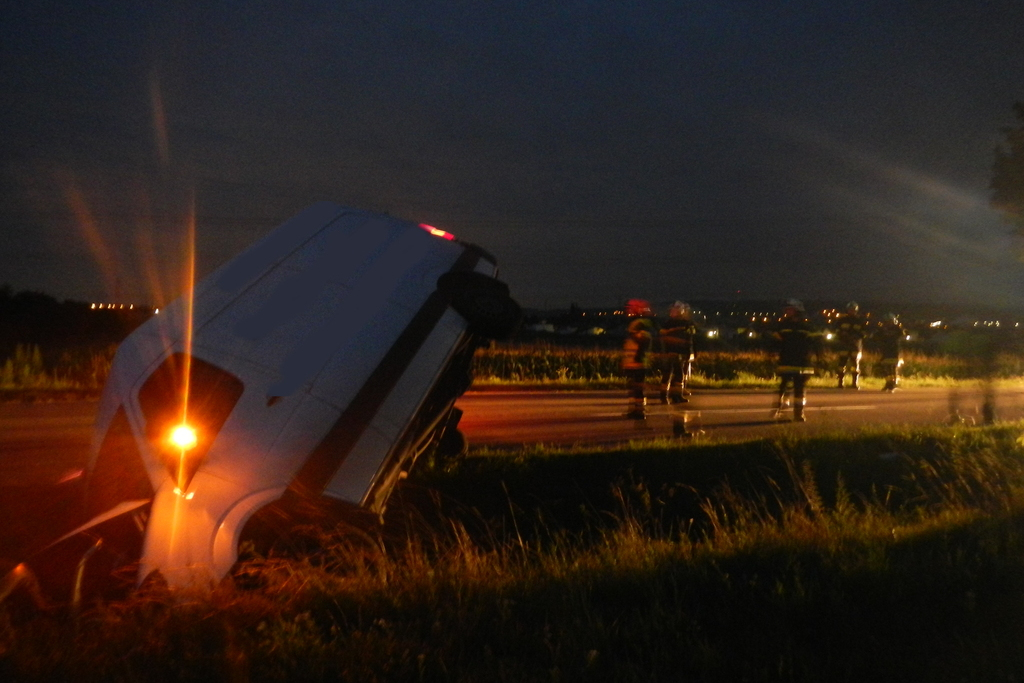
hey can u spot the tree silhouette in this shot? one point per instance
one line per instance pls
(37, 319)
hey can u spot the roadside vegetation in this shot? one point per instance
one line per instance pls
(30, 373)
(71, 373)
(544, 366)
(885, 554)
(54, 349)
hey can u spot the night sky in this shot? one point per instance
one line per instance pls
(822, 149)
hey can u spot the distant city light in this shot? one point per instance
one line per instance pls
(110, 307)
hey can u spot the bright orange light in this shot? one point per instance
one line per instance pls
(437, 232)
(184, 437)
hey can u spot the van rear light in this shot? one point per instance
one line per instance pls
(437, 232)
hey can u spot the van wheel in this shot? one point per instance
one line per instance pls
(484, 302)
(453, 444)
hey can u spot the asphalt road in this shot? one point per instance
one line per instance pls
(516, 418)
(45, 443)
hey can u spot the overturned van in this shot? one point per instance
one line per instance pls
(318, 365)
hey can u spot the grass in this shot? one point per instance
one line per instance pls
(29, 373)
(741, 380)
(886, 554)
(548, 367)
(26, 371)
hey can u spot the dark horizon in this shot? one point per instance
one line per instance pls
(660, 306)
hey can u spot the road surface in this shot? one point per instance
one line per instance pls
(515, 418)
(43, 443)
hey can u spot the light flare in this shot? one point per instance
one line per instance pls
(188, 299)
(147, 251)
(90, 230)
(156, 100)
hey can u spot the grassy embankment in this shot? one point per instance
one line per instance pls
(892, 554)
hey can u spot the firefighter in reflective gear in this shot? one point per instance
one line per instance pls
(798, 343)
(636, 356)
(850, 332)
(675, 358)
(889, 338)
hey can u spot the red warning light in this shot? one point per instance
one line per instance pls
(437, 232)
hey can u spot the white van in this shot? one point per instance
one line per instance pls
(319, 364)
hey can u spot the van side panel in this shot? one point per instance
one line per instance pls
(323, 463)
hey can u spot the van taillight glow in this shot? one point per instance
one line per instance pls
(437, 232)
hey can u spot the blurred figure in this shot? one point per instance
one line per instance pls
(981, 347)
(798, 343)
(850, 332)
(889, 338)
(636, 356)
(988, 348)
(675, 358)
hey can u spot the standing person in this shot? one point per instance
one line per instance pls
(798, 342)
(850, 341)
(890, 345)
(636, 356)
(675, 359)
